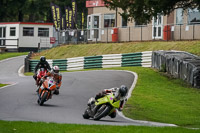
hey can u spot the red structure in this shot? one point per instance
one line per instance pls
(167, 33)
(52, 40)
(94, 3)
(115, 35)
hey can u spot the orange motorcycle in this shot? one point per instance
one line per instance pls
(46, 90)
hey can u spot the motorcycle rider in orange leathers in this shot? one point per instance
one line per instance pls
(57, 77)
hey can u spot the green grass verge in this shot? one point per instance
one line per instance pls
(2, 85)
(40, 127)
(162, 99)
(68, 51)
(28, 74)
(9, 55)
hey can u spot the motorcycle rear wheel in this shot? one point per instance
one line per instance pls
(102, 111)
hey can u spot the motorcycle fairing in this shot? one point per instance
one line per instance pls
(108, 99)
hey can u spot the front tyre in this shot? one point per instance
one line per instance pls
(102, 111)
(38, 101)
(86, 115)
(43, 98)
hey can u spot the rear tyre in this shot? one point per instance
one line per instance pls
(102, 111)
(86, 115)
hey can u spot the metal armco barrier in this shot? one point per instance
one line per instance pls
(93, 62)
(61, 63)
(103, 61)
(179, 64)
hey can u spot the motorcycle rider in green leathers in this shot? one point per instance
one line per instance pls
(119, 93)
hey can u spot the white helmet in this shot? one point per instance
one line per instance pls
(56, 69)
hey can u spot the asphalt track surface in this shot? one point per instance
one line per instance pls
(18, 101)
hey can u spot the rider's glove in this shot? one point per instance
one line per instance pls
(42, 80)
(103, 92)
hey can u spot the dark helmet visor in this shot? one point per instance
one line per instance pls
(56, 71)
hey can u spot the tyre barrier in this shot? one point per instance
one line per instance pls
(179, 64)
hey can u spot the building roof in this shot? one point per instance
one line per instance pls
(31, 23)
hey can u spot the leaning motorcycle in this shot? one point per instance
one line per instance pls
(46, 90)
(101, 108)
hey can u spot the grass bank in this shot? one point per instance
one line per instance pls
(40, 127)
(68, 51)
(9, 55)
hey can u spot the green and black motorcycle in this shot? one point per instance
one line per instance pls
(101, 108)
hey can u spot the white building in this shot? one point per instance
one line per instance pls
(25, 36)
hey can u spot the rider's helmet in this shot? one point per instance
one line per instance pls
(55, 69)
(123, 90)
(42, 59)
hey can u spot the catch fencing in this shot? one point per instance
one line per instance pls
(149, 32)
(179, 64)
(103, 61)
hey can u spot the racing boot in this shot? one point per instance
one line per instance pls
(56, 92)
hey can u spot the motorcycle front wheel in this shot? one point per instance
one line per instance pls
(102, 111)
(86, 115)
(43, 99)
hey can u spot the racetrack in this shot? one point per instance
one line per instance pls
(19, 101)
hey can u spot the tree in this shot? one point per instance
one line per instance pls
(33, 10)
(123, 4)
(142, 11)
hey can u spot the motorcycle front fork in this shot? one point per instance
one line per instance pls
(92, 109)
